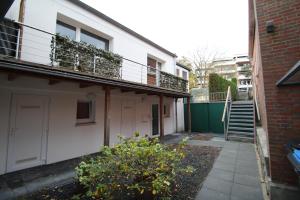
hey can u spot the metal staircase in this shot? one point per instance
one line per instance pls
(241, 121)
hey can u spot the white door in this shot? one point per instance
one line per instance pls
(128, 119)
(28, 132)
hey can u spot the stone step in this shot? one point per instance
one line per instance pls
(242, 120)
(242, 109)
(238, 138)
(242, 113)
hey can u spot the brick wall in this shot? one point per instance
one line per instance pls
(279, 52)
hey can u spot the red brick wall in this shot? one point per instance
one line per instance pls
(279, 52)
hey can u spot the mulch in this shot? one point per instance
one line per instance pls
(199, 157)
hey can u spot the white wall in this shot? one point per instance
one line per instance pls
(43, 15)
(65, 139)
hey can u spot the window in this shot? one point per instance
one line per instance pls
(65, 30)
(178, 72)
(167, 110)
(85, 112)
(184, 75)
(95, 40)
(159, 66)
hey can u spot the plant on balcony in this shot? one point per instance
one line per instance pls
(84, 57)
(137, 168)
(172, 82)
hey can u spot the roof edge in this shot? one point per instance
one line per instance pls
(183, 66)
(121, 26)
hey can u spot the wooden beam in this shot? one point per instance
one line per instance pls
(53, 82)
(11, 76)
(161, 115)
(139, 92)
(125, 90)
(107, 116)
(189, 114)
(176, 117)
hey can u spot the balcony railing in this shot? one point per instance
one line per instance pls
(26, 43)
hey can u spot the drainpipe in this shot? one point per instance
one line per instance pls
(176, 117)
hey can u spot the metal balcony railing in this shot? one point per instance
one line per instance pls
(26, 43)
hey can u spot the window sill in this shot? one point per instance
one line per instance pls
(85, 123)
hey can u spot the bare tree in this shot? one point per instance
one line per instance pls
(202, 60)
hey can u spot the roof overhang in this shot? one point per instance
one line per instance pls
(292, 77)
(5, 5)
(183, 66)
(44, 71)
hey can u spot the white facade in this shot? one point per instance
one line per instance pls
(47, 122)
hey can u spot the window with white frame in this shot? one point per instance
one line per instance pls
(85, 111)
(93, 39)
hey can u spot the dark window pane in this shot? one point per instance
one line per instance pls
(66, 30)
(95, 40)
(83, 110)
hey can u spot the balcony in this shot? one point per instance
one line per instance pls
(28, 44)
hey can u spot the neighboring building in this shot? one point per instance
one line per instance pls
(61, 98)
(237, 67)
(274, 50)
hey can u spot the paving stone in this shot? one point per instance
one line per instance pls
(224, 166)
(227, 159)
(221, 174)
(247, 163)
(247, 170)
(6, 194)
(247, 180)
(19, 191)
(228, 153)
(246, 156)
(207, 194)
(246, 192)
(218, 185)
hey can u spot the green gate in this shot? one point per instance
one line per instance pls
(206, 117)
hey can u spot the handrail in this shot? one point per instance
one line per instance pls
(228, 97)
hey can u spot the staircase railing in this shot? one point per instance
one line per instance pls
(226, 113)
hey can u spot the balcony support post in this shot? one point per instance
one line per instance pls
(176, 117)
(189, 115)
(107, 116)
(161, 115)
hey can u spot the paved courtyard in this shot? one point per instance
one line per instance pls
(235, 174)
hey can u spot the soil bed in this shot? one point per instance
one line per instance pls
(200, 157)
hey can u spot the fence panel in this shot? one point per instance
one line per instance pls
(206, 117)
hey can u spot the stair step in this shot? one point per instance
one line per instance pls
(241, 124)
(242, 109)
(240, 133)
(240, 138)
(242, 105)
(242, 102)
(238, 128)
(242, 113)
(242, 116)
(242, 120)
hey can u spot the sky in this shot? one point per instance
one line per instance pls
(184, 26)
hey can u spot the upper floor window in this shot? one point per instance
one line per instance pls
(85, 111)
(184, 75)
(95, 40)
(178, 72)
(65, 30)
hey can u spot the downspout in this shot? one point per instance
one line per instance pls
(176, 117)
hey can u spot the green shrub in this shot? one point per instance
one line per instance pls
(137, 168)
(219, 84)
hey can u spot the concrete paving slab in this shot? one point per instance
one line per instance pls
(247, 180)
(218, 185)
(208, 194)
(221, 174)
(246, 192)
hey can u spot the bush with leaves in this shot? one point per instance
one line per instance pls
(136, 168)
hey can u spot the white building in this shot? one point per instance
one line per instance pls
(61, 99)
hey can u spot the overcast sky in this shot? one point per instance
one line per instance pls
(183, 26)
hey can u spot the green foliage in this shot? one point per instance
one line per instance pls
(137, 168)
(234, 80)
(192, 80)
(71, 55)
(219, 84)
(170, 81)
